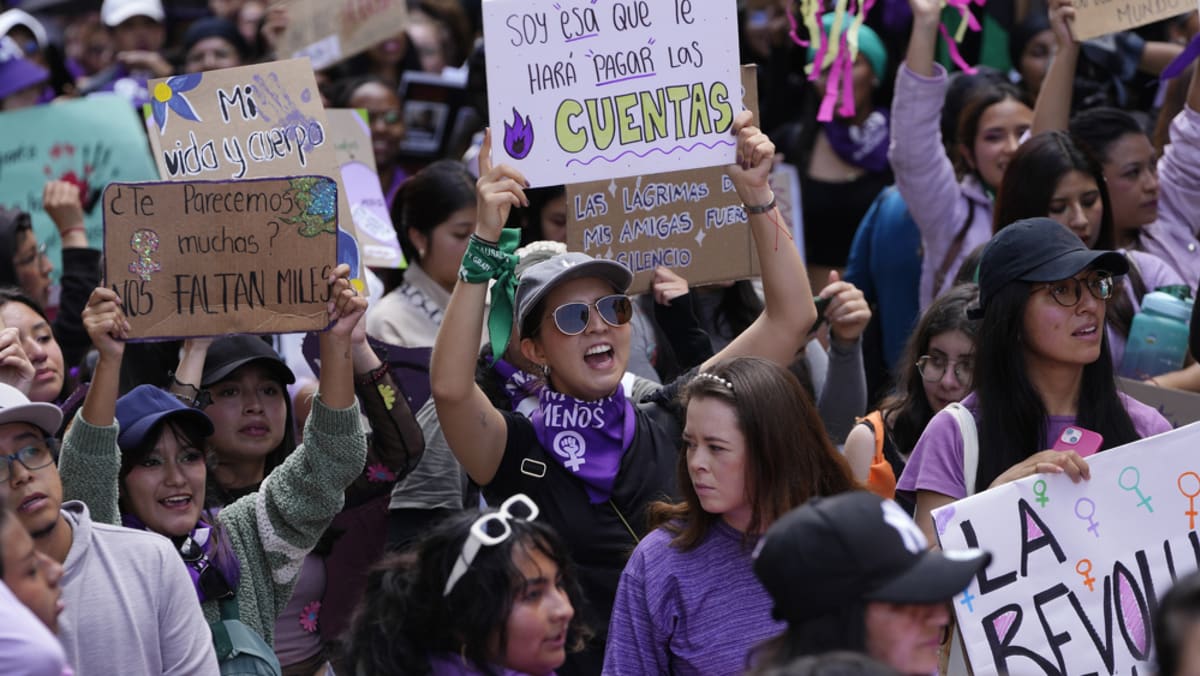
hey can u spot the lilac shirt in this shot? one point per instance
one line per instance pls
(27, 648)
(1155, 273)
(936, 463)
(453, 665)
(1173, 236)
(694, 612)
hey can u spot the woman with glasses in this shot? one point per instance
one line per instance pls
(1041, 365)
(689, 602)
(587, 455)
(1051, 176)
(149, 469)
(481, 594)
(936, 370)
(385, 114)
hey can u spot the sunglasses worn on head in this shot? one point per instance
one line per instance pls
(572, 318)
(490, 529)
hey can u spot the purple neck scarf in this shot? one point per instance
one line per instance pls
(219, 555)
(864, 145)
(588, 438)
(521, 387)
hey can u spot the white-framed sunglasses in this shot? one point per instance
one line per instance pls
(490, 530)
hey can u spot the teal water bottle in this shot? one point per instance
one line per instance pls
(1158, 338)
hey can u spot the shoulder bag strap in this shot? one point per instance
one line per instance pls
(970, 437)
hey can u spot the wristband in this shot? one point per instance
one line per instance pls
(373, 376)
(751, 211)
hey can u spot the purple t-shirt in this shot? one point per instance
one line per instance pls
(694, 612)
(936, 463)
(453, 665)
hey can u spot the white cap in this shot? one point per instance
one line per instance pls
(16, 407)
(116, 12)
(19, 17)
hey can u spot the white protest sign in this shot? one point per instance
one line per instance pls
(1078, 569)
(584, 91)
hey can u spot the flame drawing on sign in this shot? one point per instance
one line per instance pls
(518, 136)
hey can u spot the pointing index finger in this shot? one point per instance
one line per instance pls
(485, 153)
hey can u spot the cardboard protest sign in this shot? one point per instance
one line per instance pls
(1179, 407)
(579, 91)
(88, 142)
(255, 121)
(1094, 18)
(692, 221)
(1077, 569)
(206, 258)
(328, 31)
(351, 138)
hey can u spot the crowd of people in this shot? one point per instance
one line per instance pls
(505, 464)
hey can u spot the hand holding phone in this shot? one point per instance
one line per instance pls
(1075, 438)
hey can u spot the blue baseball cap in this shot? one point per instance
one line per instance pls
(139, 411)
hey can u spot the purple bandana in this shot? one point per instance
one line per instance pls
(864, 145)
(587, 437)
(219, 555)
(521, 387)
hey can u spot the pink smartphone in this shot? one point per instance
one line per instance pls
(1084, 442)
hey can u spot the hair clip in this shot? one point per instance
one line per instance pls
(717, 379)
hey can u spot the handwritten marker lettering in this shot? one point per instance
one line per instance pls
(1084, 568)
(1191, 496)
(1133, 485)
(1090, 506)
(1039, 489)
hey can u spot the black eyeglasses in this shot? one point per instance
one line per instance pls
(211, 580)
(35, 456)
(572, 318)
(1068, 292)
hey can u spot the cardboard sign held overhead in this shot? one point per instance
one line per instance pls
(255, 121)
(580, 91)
(1077, 568)
(207, 258)
(691, 221)
(328, 31)
(88, 142)
(351, 139)
(1094, 18)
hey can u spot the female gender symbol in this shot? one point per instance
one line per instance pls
(1093, 525)
(1191, 511)
(1039, 489)
(1134, 486)
(1084, 568)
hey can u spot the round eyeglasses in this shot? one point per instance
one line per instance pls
(933, 368)
(1068, 292)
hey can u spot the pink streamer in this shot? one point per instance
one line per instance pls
(957, 58)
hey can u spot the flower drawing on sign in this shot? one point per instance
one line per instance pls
(317, 198)
(168, 96)
(379, 473)
(144, 243)
(518, 136)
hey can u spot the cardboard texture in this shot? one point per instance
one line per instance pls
(328, 31)
(255, 121)
(1094, 18)
(207, 258)
(691, 221)
(580, 91)
(351, 139)
(1179, 407)
(1077, 568)
(88, 142)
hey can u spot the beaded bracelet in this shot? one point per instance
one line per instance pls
(373, 376)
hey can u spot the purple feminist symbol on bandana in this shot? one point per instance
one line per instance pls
(518, 136)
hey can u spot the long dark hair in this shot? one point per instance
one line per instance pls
(14, 294)
(785, 464)
(1029, 183)
(1013, 416)
(843, 629)
(908, 411)
(428, 198)
(968, 120)
(403, 618)
(1178, 612)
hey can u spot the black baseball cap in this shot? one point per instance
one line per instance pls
(230, 353)
(1038, 250)
(855, 546)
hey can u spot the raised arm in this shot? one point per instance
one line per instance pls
(474, 429)
(789, 310)
(1053, 110)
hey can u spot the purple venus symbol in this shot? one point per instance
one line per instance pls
(518, 136)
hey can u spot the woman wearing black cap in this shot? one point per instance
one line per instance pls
(590, 458)
(1041, 365)
(210, 44)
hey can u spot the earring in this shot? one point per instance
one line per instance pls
(420, 253)
(545, 371)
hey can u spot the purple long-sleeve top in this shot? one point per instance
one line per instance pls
(1173, 236)
(688, 612)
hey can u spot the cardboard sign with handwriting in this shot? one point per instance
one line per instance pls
(376, 235)
(328, 31)
(207, 258)
(580, 91)
(1094, 18)
(692, 221)
(257, 121)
